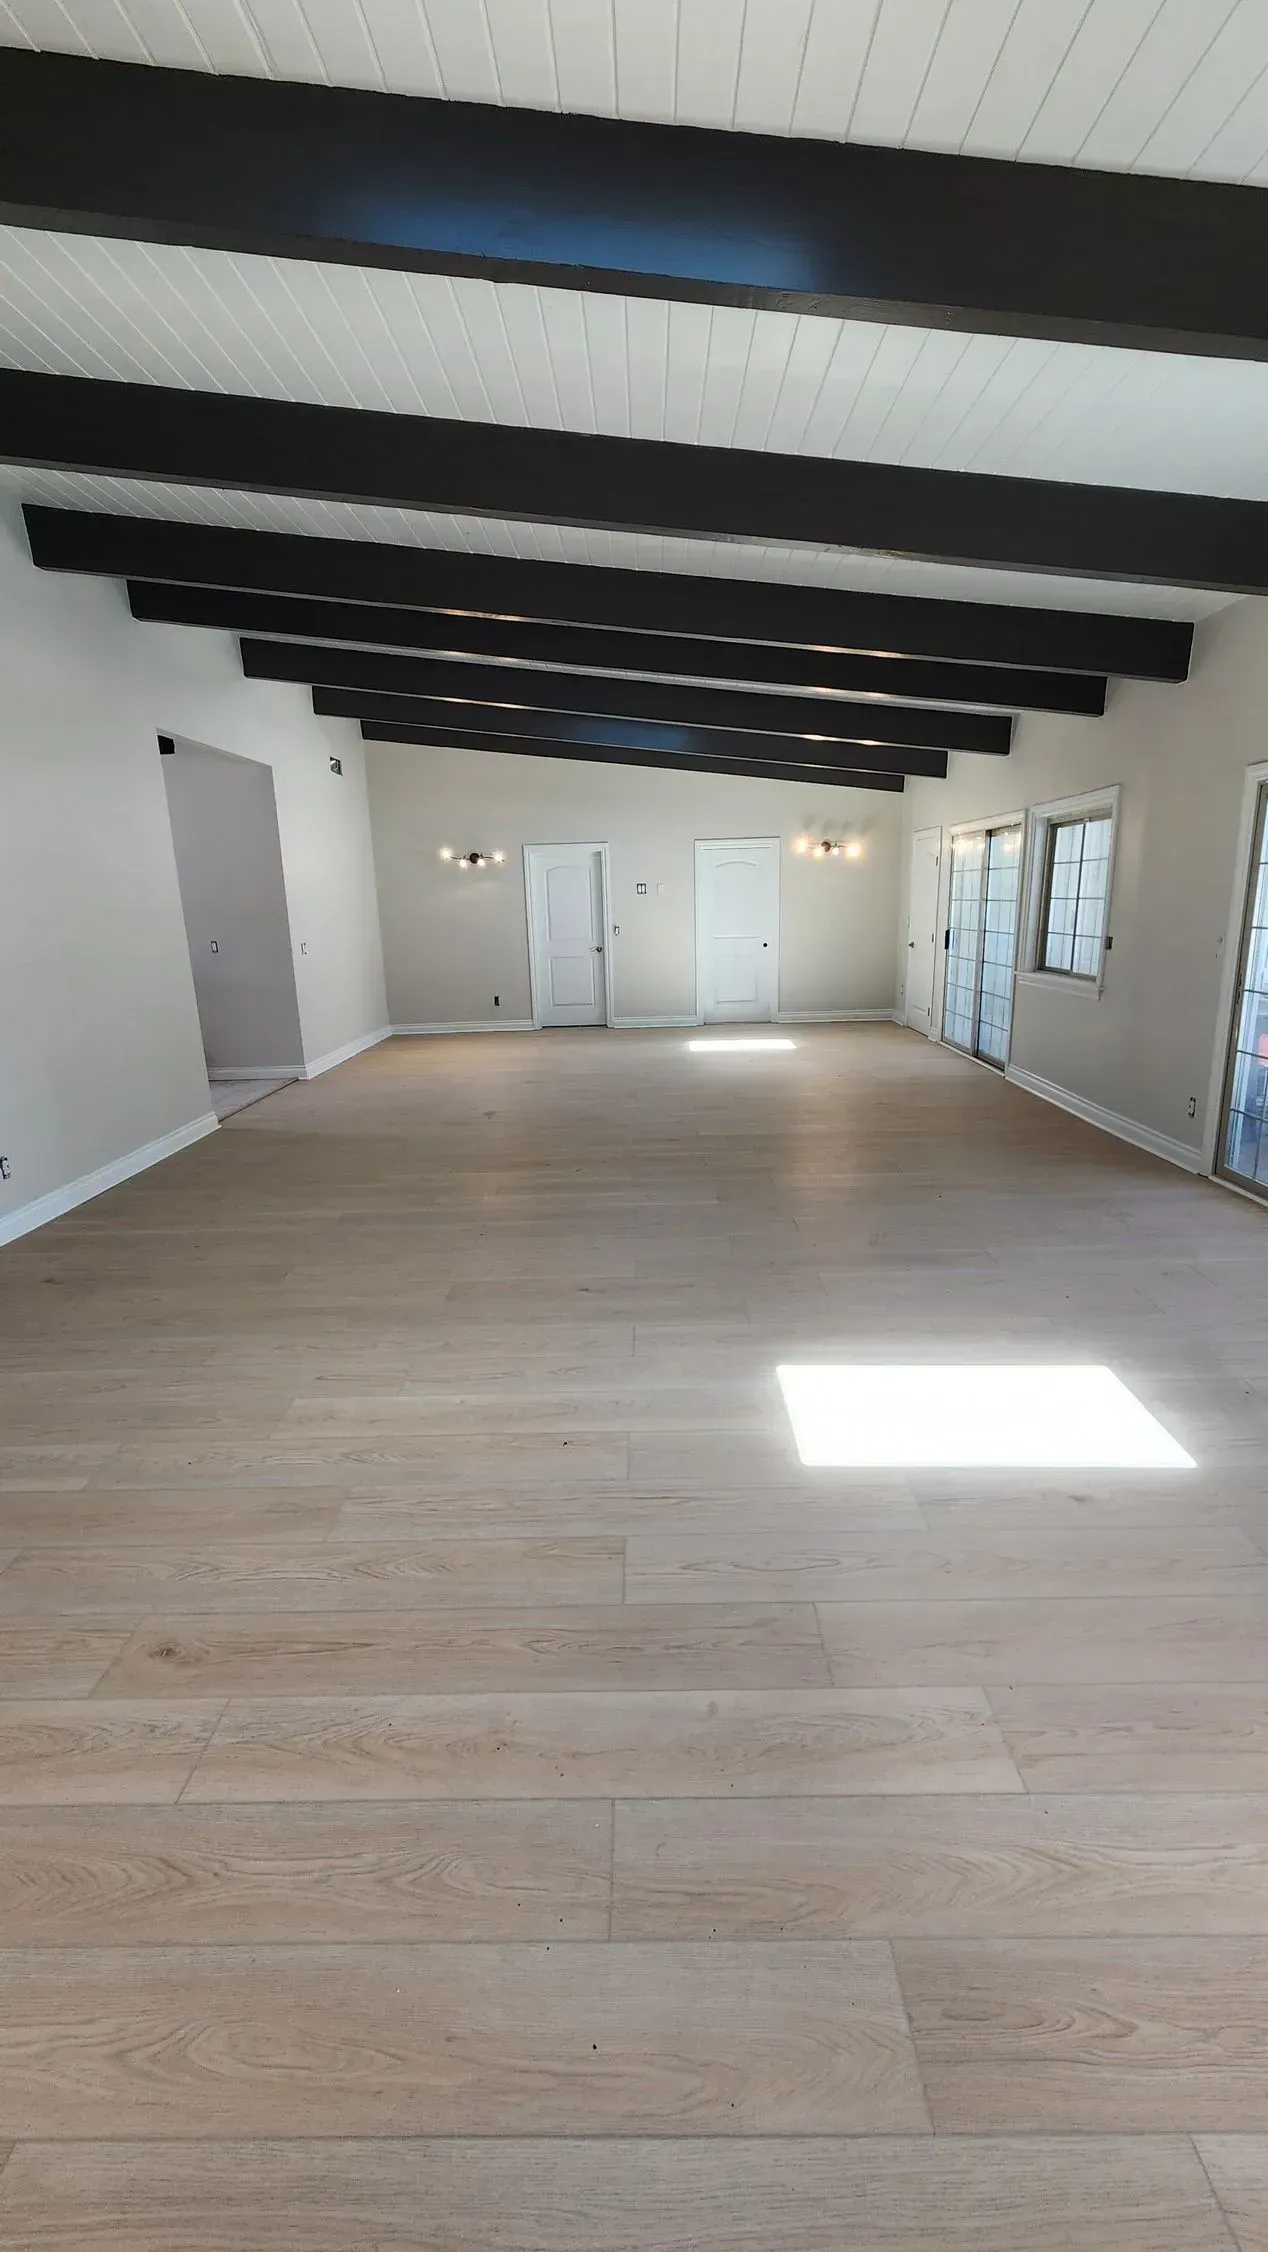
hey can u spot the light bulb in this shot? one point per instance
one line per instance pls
(446, 852)
(801, 844)
(499, 859)
(854, 850)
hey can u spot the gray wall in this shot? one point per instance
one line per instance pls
(1180, 754)
(233, 893)
(100, 1053)
(452, 941)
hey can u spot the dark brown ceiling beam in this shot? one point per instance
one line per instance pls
(813, 718)
(452, 722)
(592, 754)
(494, 469)
(797, 225)
(768, 612)
(513, 641)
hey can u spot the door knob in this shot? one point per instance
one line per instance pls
(598, 949)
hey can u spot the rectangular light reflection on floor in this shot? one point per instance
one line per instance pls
(914, 1417)
(731, 1047)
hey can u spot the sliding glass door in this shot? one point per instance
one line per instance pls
(981, 942)
(1243, 1146)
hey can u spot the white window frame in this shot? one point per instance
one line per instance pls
(1089, 805)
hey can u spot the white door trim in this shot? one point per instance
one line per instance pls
(569, 844)
(741, 844)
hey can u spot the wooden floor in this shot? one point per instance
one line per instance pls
(466, 1788)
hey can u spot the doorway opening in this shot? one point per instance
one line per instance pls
(737, 930)
(567, 892)
(981, 940)
(237, 924)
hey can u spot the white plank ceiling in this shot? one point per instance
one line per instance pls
(1176, 86)
(842, 568)
(510, 353)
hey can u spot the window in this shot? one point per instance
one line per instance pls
(1072, 867)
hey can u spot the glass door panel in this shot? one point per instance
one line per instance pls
(1244, 1127)
(999, 944)
(964, 940)
(977, 1008)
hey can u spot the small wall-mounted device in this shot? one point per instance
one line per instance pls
(167, 746)
(641, 889)
(336, 766)
(215, 946)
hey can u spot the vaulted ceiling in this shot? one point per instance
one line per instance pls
(951, 318)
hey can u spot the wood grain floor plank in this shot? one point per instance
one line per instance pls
(60, 1752)
(1028, 1640)
(476, 2040)
(890, 2194)
(616, 1511)
(553, 1458)
(1078, 1737)
(201, 1875)
(595, 1646)
(696, 1744)
(958, 1566)
(310, 1576)
(815, 1868)
(1237, 2168)
(55, 1657)
(153, 1516)
(1088, 2036)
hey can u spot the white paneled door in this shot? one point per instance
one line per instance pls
(737, 930)
(567, 929)
(922, 928)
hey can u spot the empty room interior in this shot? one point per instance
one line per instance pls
(633, 1125)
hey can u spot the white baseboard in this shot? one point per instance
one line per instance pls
(258, 1071)
(345, 1054)
(1109, 1121)
(51, 1207)
(653, 1024)
(835, 1016)
(483, 1024)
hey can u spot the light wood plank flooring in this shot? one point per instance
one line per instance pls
(463, 1784)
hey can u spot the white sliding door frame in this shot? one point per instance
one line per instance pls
(983, 827)
(1239, 903)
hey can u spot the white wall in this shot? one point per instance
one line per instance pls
(1145, 1046)
(452, 941)
(233, 893)
(100, 1052)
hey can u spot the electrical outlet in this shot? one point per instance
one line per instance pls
(215, 946)
(6, 1170)
(1193, 1106)
(497, 1000)
(303, 946)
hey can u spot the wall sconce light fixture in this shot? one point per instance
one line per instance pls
(829, 848)
(472, 859)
